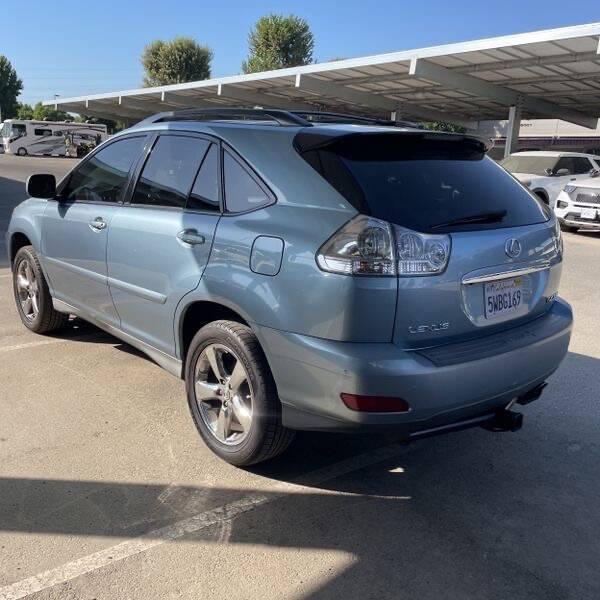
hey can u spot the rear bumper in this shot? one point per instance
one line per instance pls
(441, 389)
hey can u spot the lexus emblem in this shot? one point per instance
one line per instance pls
(512, 248)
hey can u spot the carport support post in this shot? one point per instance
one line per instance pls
(514, 126)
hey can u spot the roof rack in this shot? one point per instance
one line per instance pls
(334, 117)
(302, 118)
(278, 116)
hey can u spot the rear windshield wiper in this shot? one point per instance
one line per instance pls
(490, 217)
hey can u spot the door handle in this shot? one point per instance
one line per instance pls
(98, 224)
(190, 236)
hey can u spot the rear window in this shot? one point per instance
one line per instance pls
(423, 182)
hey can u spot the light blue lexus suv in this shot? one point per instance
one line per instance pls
(303, 271)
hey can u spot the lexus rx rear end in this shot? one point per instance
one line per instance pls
(299, 275)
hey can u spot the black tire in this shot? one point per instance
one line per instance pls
(267, 437)
(542, 197)
(47, 319)
(22, 152)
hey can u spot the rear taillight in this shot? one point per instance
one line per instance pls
(369, 246)
(363, 246)
(375, 403)
(420, 253)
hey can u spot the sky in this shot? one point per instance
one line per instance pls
(73, 48)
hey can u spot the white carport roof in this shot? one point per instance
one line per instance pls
(553, 74)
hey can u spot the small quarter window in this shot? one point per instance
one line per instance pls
(170, 171)
(205, 193)
(242, 191)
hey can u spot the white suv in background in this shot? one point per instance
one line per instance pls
(547, 173)
(578, 205)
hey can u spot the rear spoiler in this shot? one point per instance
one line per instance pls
(307, 140)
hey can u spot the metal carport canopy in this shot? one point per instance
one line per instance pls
(544, 74)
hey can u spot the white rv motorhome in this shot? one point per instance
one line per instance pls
(52, 138)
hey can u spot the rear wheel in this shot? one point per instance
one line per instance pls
(32, 295)
(232, 395)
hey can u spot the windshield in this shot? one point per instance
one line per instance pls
(536, 165)
(425, 185)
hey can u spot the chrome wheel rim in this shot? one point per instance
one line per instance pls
(28, 290)
(223, 394)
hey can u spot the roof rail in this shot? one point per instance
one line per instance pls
(334, 117)
(280, 117)
(297, 118)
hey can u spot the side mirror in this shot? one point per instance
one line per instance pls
(562, 172)
(41, 186)
(549, 172)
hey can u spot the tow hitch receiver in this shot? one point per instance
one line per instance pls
(504, 420)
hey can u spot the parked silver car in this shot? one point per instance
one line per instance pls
(342, 276)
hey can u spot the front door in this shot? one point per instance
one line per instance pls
(159, 243)
(75, 228)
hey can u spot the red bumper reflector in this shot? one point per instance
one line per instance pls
(375, 403)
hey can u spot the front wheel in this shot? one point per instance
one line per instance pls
(22, 152)
(32, 296)
(232, 395)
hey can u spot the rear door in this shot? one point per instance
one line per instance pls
(75, 229)
(160, 242)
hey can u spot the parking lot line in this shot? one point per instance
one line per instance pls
(221, 514)
(81, 338)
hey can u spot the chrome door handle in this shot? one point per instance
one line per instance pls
(190, 236)
(98, 224)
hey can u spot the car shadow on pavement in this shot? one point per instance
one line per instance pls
(469, 514)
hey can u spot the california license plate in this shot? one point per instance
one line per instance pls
(502, 297)
(588, 213)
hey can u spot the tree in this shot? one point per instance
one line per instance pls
(45, 113)
(439, 126)
(178, 61)
(24, 111)
(10, 88)
(112, 126)
(277, 42)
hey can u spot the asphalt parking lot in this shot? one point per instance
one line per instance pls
(107, 492)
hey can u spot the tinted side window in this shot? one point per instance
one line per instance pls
(205, 193)
(102, 178)
(42, 132)
(170, 171)
(242, 192)
(582, 165)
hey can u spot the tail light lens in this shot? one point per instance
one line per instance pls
(420, 253)
(363, 246)
(368, 246)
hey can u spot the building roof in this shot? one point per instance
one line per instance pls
(551, 74)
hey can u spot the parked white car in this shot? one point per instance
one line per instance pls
(578, 205)
(547, 173)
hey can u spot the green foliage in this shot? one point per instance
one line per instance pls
(46, 113)
(178, 61)
(277, 42)
(24, 111)
(10, 88)
(439, 126)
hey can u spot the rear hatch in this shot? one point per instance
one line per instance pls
(476, 251)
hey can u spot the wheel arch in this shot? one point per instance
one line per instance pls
(542, 194)
(197, 313)
(18, 240)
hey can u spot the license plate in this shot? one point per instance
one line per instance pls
(588, 213)
(502, 297)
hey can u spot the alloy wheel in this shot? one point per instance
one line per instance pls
(223, 394)
(28, 290)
